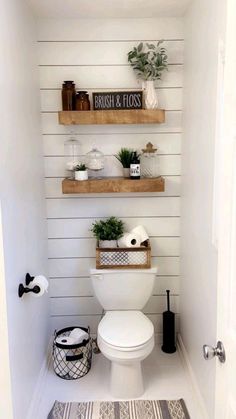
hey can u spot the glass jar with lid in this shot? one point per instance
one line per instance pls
(68, 95)
(95, 160)
(82, 101)
(149, 162)
(71, 155)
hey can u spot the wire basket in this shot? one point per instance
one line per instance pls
(72, 361)
(124, 257)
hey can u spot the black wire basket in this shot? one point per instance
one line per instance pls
(72, 361)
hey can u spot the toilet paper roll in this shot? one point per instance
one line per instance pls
(65, 340)
(60, 363)
(130, 240)
(78, 335)
(74, 368)
(42, 283)
(140, 230)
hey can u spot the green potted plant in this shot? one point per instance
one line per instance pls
(125, 156)
(148, 62)
(81, 172)
(108, 231)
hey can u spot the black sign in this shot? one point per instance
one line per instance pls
(117, 100)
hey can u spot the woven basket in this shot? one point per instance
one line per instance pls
(124, 257)
(72, 361)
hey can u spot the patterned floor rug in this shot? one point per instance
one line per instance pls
(134, 409)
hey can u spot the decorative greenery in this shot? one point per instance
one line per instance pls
(148, 60)
(125, 157)
(80, 167)
(110, 229)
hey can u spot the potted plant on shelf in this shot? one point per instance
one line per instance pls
(107, 232)
(125, 157)
(81, 172)
(148, 62)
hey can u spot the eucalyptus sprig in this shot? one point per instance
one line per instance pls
(148, 60)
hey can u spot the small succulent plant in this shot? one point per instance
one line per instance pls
(80, 167)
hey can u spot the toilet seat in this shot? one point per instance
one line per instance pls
(125, 330)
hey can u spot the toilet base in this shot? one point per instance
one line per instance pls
(126, 380)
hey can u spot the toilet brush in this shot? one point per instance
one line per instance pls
(168, 329)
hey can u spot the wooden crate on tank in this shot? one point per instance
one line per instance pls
(124, 257)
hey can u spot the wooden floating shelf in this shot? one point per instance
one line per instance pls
(113, 185)
(134, 116)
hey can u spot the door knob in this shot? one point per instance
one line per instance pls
(210, 352)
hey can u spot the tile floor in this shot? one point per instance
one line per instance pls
(164, 378)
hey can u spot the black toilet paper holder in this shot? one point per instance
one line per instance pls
(24, 290)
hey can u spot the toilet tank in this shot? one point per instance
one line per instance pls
(123, 289)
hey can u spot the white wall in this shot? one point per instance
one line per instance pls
(21, 187)
(94, 54)
(198, 255)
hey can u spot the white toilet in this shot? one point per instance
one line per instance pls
(125, 334)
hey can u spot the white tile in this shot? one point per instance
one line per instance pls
(164, 378)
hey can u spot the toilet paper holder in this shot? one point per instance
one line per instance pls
(24, 290)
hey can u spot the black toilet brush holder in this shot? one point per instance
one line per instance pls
(168, 329)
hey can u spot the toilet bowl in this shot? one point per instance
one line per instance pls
(126, 338)
(125, 335)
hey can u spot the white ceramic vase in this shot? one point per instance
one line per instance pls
(150, 95)
(126, 172)
(107, 243)
(81, 175)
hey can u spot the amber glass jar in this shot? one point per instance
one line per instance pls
(68, 96)
(82, 101)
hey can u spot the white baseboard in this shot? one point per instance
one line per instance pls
(187, 365)
(35, 401)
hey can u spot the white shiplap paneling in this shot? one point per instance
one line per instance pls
(110, 29)
(98, 53)
(80, 267)
(97, 60)
(82, 287)
(81, 227)
(100, 77)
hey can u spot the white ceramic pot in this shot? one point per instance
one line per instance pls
(81, 175)
(107, 243)
(126, 172)
(150, 95)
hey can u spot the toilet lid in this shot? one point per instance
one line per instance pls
(125, 328)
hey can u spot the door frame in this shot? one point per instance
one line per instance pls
(227, 226)
(5, 377)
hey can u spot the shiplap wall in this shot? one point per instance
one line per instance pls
(94, 54)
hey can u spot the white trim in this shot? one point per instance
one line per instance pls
(187, 365)
(6, 402)
(35, 401)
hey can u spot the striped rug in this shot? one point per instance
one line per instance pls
(134, 409)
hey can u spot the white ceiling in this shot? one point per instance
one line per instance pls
(108, 8)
